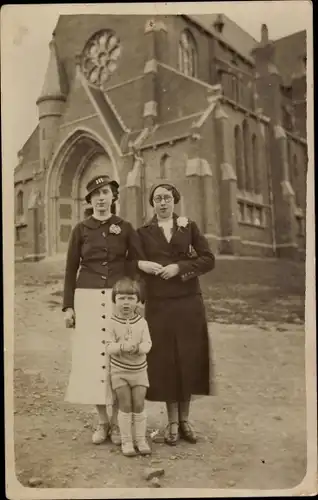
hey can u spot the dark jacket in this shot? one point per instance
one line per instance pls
(188, 248)
(96, 258)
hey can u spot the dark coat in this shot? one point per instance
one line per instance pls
(178, 364)
(188, 248)
(97, 258)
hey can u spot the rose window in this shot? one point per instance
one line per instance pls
(100, 56)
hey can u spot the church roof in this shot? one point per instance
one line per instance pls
(29, 154)
(288, 51)
(232, 35)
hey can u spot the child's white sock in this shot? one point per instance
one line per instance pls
(125, 426)
(140, 428)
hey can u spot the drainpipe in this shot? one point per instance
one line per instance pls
(270, 188)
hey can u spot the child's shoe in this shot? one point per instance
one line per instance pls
(100, 434)
(128, 449)
(143, 447)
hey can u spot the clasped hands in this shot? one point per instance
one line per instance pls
(165, 272)
(129, 348)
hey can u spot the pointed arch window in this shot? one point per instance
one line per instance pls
(20, 203)
(249, 180)
(239, 158)
(164, 167)
(256, 166)
(187, 54)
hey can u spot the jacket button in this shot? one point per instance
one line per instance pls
(104, 317)
(103, 304)
(104, 234)
(103, 341)
(103, 330)
(104, 278)
(102, 353)
(103, 291)
(104, 263)
(104, 367)
(102, 381)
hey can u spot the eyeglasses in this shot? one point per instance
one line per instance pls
(166, 198)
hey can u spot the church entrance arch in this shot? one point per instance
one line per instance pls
(80, 158)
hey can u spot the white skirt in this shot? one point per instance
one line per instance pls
(89, 381)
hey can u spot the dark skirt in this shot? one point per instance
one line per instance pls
(180, 361)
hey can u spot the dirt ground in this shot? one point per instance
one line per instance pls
(252, 435)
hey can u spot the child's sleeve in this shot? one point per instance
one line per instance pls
(145, 344)
(112, 346)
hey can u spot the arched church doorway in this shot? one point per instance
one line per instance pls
(81, 158)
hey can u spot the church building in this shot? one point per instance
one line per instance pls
(191, 98)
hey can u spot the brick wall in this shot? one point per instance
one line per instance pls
(74, 31)
(180, 96)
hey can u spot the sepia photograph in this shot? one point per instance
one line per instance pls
(158, 214)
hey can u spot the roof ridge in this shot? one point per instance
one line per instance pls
(192, 78)
(288, 36)
(116, 112)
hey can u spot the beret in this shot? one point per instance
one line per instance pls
(164, 183)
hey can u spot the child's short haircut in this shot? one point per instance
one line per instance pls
(126, 286)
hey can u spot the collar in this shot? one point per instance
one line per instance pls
(124, 321)
(154, 220)
(93, 223)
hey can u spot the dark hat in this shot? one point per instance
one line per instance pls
(98, 182)
(164, 183)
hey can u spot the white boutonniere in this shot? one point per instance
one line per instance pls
(114, 229)
(182, 222)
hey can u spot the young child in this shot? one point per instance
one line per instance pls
(128, 342)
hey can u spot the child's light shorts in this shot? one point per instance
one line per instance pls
(120, 378)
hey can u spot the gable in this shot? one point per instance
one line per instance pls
(78, 104)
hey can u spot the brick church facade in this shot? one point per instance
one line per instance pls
(191, 98)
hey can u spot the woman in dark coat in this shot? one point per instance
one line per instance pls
(178, 364)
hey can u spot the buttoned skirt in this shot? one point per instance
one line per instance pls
(89, 380)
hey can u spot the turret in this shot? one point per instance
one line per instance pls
(50, 105)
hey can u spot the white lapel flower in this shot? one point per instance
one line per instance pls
(182, 222)
(114, 229)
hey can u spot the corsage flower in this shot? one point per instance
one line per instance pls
(114, 229)
(182, 222)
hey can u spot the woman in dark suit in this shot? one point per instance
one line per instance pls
(178, 363)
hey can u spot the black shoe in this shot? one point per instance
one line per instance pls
(186, 432)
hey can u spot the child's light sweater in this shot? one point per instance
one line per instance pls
(135, 331)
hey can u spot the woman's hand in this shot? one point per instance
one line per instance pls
(69, 318)
(169, 271)
(149, 267)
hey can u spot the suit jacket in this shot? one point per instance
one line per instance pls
(97, 257)
(188, 248)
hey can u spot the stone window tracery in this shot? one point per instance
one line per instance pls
(100, 57)
(187, 54)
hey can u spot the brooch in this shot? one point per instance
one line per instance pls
(182, 222)
(114, 229)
